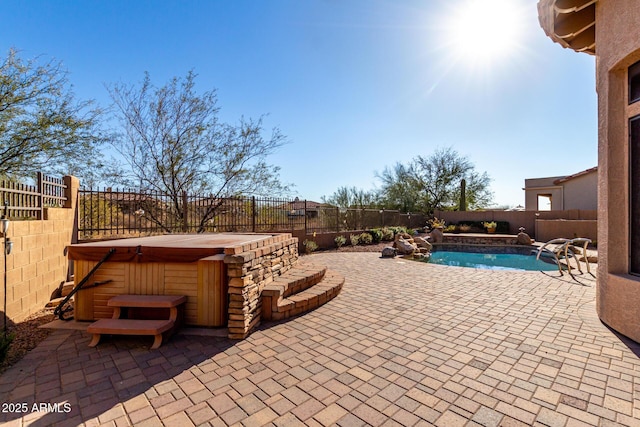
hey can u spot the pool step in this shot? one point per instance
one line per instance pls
(303, 288)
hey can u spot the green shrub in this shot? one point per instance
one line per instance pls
(365, 238)
(310, 246)
(340, 241)
(355, 239)
(474, 226)
(376, 234)
(387, 234)
(449, 228)
(502, 227)
(398, 229)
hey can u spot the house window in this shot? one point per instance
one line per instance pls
(544, 202)
(634, 83)
(634, 194)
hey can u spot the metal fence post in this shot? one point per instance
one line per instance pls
(305, 217)
(185, 212)
(253, 214)
(40, 196)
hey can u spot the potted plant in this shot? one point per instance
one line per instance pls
(490, 226)
(437, 223)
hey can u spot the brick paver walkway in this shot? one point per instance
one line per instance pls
(403, 344)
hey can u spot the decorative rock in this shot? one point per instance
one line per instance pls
(404, 247)
(523, 239)
(404, 236)
(422, 243)
(436, 235)
(389, 252)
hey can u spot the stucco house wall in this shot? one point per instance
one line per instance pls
(616, 44)
(542, 186)
(581, 192)
(618, 36)
(578, 191)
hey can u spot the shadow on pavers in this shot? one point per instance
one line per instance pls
(70, 383)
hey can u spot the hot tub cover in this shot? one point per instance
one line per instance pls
(168, 248)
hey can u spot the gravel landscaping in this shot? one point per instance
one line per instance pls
(27, 335)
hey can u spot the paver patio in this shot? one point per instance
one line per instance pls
(404, 344)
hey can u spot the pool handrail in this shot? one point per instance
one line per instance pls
(564, 248)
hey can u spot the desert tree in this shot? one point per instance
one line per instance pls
(352, 198)
(352, 202)
(433, 182)
(173, 143)
(399, 189)
(42, 126)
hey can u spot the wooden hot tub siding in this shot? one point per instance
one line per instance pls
(203, 282)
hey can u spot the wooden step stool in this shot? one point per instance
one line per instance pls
(156, 327)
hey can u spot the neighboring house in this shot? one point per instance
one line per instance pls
(561, 193)
(300, 207)
(610, 30)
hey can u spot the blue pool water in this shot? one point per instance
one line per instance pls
(491, 261)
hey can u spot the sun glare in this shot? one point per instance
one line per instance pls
(483, 31)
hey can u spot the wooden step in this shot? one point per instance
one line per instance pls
(130, 304)
(277, 306)
(149, 307)
(147, 301)
(129, 327)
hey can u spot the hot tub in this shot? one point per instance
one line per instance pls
(191, 265)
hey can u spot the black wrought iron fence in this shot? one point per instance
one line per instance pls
(112, 213)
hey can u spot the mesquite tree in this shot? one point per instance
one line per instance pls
(173, 143)
(42, 126)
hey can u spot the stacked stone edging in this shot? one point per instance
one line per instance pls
(250, 268)
(480, 239)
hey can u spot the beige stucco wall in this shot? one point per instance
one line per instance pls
(617, 47)
(535, 186)
(581, 192)
(38, 262)
(565, 228)
(577, 193)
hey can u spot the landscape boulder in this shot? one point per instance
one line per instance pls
(436, 235)
(422, 243)
(405, 247)
(523, 239)
(389, 252)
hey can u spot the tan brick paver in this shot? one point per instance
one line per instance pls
(403, 344)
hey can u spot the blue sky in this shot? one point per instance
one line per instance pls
(356, 85)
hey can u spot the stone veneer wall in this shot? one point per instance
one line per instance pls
(248, 273)
(475, 239)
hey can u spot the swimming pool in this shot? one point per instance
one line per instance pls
(495, 260)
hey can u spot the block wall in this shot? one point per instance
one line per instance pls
(248, 273)
(38, 262)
